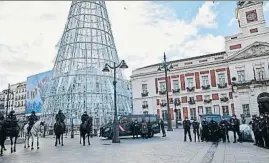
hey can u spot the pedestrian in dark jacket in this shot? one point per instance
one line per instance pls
(144, 129)
(187, 127)
(236, 128)
(162, 127)
(196, 127)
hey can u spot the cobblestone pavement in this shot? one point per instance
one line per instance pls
(170, 149)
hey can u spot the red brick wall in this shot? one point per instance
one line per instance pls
(199, 97)
(182, 81)
(172, 113)
(197, 80)
(156, 85)
(229, 76)
(213, 78)
(215, 96)
(184, 99)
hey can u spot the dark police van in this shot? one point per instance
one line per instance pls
(126, 127)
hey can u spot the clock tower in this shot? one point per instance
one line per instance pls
(252, 26)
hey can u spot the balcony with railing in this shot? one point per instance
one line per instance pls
(222, 85)
(144, 106)
(224, 99)
(145, 94)
(162, 92)
(207, 101)
(163, 104)
(176, 90)
(205, 87)
(190, 89)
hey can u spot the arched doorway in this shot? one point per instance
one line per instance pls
(263, 102)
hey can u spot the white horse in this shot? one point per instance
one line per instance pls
(33, 132)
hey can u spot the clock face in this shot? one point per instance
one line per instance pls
(251, 16)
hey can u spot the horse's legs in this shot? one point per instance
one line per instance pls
(55, 140)
(2, 147)
(37, 141)
(32, 142)
(11, 144)
(84, 139)
(15, 142)
(62, 139)
(25, 141)
(89, 143)
(80, 138)
(28, 141)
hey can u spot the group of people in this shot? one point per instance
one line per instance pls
(260, 127)
(145, 129)
(212, 131)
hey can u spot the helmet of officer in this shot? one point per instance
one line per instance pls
(60, 111)
(12, 112)
(85, 112)
(33, 112)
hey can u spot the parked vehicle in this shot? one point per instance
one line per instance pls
(126, 125)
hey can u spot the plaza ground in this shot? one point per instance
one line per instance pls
(170, 149)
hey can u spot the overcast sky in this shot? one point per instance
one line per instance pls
(29, 32)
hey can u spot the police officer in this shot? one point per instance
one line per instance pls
(162, 127)
(84, 117)
(254, 129)
(149, 129)
(236, 129)
(258, 134)
(214, 129)
(187, 126)
(60, 117)
(144, 129)
(226, 132)
(196, 132)
(135, 129)
(31, 121)
(267, 131)
(262, 130)
(204, 136)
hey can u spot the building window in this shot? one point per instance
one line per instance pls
(221, 77)
(193, 113)
(144, 88)
(162, 86)
(260, 73)
(216, 109)
(190, 82)
(175, 84)
(145, 103)
(241, 76)
(208, 110)
(205, 80)
(225, 110)
(163, 101)
(164, 115)
(246, 110)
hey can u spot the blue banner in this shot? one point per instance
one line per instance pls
(36, 87)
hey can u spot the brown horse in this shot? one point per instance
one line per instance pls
(86, 128)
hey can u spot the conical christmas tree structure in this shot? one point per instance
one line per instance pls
(78, 83)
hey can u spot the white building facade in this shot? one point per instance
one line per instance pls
(213, 83)
(16, 100)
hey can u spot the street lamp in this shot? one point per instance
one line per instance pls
(72, 125)
(176, 103)
(167, 67)
(116, 131)
(7, 92)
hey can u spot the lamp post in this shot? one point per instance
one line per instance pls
(7, 92)
(72, 125)
(176, 111)
(116, 131)
(167, 67)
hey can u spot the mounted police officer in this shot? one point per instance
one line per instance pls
(187, 127)
(195, 126)
(60, 117)
(84, 117)
(224, 127)
(11, 116)
(135, 129)
(31, 121)
(205, 130)
(236, 129)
